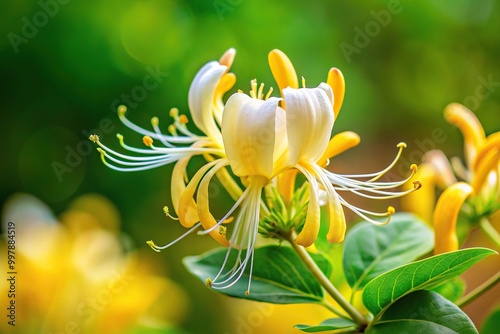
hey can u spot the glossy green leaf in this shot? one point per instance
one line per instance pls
(424, 274)
(327, 325)
(278, 277)
(371, 250)
(452, 289)
(423, 312)
(492, 323)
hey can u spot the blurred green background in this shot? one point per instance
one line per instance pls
(63, 72)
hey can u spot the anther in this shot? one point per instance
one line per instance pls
(94, 138)
(247, 293)
(147, 140)
(122, 110)
(417, 185)
(222, 230)
(166, 211)
(208, 282)
(303, 82)
(151, 244)
(155, 121)
(391, 210)
(174, 112)
(414, 168)
(401, 145)
(183, 119)
(172, 129)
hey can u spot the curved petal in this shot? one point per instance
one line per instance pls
(187, 211)
(487, 165)
(339, 143)
(309, 121)
(446, 214)
(201, 96)
(249, 134)
(336, 81)
(470, 126)
(492, 143)
(206, 218)
(310, 231)
(282, 70)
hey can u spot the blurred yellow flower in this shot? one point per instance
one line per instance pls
(476, 194)
(74, 275)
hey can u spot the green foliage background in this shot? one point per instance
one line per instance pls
(63, 82)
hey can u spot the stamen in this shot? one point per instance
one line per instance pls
(229, 213)
(268, 95)
(174, 112)
(253, 89)
(183, 119)
(94, 138)
(208, 282)
(166, 211)
(122, 110)
(222, 230)
(173, 130)
(160, 248)
(147, 140)
(303, 82)
(260, 95)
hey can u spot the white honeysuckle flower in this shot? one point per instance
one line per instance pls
(205, 100)
(265, 141)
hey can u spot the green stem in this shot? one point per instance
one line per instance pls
(334, 310)
(490, 230)
(471, 296)
(325, 282)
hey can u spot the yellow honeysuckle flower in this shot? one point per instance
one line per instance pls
(479, 186)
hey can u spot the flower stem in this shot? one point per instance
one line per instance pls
(471, 296)
(325, 282)
(490, 230)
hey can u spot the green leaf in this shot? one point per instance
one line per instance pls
(371, 250)
(423, 312)
(279, 276)
(327, 325)
(424, 274)
(492, 323)
(452, 289)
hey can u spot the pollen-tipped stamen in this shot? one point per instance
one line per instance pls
(160, 248)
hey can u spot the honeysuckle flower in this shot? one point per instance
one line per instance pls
(265, 141)
(480, 186)
(310, 116)
(205, 104)
(472, 188)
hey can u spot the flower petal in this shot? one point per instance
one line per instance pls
(310, 231)
(249, 134)
(336, 81)
(488, 164)
(201, 97)
(309, 121)
(339, 143)
(206, 218)
(470, 126)
(187, 210)
(446, 214)
(283, 70)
